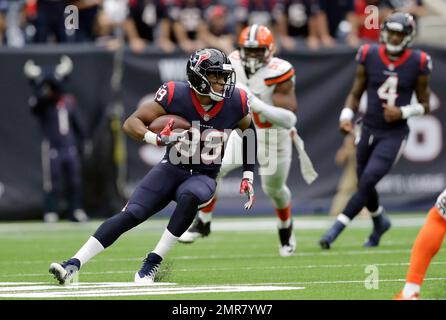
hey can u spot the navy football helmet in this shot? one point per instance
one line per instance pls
(206, 62)
(399, 22)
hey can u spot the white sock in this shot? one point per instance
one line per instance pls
(410, 289)
(283, 224)
(205, 217)
(91, 248)
(342, 218)
(377, 213)
(166, 242)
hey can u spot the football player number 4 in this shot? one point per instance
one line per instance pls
(388, 90)
(424, 143)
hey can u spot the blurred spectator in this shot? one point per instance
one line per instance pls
(30, 17)
(12, 22)
(323, 30)
(341, 18)
(148, 23)
(302, 19)
(188, 23)
(49, 21)
(110, 23)
(219, 34)
(3, 10)
(88, 10)
(414, 7)
(369, 33)
(63, 132)
(249, 12)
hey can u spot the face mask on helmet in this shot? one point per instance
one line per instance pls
(254, 58)
(210, 73)
(221, 83)
(401, 27)
(256, 45)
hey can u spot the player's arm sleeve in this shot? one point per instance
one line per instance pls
(425, 63)
(361, 55)
(246, 103)
(164, 95)
(249, 145)
(279, 116)
(285, 74)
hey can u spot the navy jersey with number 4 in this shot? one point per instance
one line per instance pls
(391, 82)
(179, 98)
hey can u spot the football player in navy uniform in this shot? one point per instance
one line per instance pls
(390, 73)
(208, 99)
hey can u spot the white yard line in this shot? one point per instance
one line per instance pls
(114, 289)
(130, 289)
(283, 267)
(239, 224)
(245, 256)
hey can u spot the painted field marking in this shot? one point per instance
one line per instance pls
(110, 289)
(238, 224)
(315, 266)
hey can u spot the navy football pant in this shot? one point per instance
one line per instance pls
(63, 177)
(164, 183)
(375, 157)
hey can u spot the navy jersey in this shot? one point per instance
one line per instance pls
(60, 121)
(391, 82)
(180, 99)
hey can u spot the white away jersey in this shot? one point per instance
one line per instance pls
(263, 82)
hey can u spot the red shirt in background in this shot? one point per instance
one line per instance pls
(368, 34)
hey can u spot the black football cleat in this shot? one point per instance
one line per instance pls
(381, 224)
(196, 230)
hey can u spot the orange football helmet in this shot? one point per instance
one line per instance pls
(256, 44)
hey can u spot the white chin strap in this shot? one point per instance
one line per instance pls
(394, 49)
(215, 97)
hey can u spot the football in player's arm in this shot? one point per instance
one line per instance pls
(208, 98)
(270, 85)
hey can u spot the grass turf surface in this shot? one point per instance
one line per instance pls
(241, 257)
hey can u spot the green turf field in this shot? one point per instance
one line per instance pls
(239, 260)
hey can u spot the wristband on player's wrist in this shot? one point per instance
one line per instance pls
(347, 114)
(411, 110)
(249, 175)
(151, 137)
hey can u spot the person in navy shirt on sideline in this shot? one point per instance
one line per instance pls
(64, 138)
